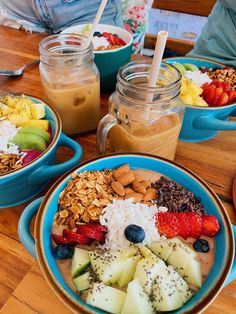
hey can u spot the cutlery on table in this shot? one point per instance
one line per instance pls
(19, 71)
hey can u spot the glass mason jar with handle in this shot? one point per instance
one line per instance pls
(71, 81)
(143, 119)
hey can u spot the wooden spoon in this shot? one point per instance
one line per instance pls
(234, 192)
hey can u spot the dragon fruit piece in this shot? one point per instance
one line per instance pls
(31, 155)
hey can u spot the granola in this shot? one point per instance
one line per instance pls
(84, 197)
(9, 162)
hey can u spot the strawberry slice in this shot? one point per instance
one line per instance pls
(88, 232)
(223, 99)
(96, 226)
(120, 41)
(58, 239)
(184, 225)
(216, 83)
(167, 224)
(210, 226)
(210, 94)
(195, 222)
(75, 238)
(218, 92)
(227, 88)
(232, 96)
(107, 36)
(112, 39)
(205, 85)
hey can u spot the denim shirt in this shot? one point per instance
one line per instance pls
(218, 38)
(54, 15)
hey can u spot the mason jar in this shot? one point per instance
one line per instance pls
(71, 81)
(140, 118)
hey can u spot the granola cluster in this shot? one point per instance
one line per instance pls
(9, 162)
(84, 197)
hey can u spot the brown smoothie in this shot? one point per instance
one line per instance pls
(158, 138)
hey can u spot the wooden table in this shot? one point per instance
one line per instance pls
(22, 287)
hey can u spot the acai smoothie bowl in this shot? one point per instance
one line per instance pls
(30, 132)
(132, 233)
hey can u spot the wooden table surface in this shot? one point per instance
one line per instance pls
(22, 286)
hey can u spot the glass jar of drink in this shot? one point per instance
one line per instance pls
(143, 119)
(71, 81)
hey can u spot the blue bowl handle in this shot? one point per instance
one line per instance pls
(232, 274)
(47, 172)
(24, 226)
(211, 123)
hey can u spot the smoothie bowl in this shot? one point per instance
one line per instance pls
(30, 133)
(112, 49)
(132, 233)
(209, 93)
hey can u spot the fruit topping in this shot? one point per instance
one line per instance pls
(195, 223)
(201, 245)
(167, 224)
(98, 34)
(186, 224)
(210, 226)
(31, 155)
(218, 93)
(63, 251)
(134, 233)
(88, 232)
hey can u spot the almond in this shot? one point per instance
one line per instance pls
(138, 178)
(121, 170)
(146, 184)
(118, 188)
(136, 196)
(139, 187)
(150, 195)
(126, 178)
(129, 190)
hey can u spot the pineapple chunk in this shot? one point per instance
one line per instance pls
(23, 107)
(188, 87)
(187, 99)
(18, 118)
(42, 124)
(4, 110)
(37, 110)
(199, 101)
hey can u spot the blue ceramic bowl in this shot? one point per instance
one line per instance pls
(109, 61)
(23, 184)
(203, 123)
(223, 268)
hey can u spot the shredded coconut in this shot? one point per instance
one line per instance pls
(7, 132)
(121, 213)
(99, 41)
(198, 77)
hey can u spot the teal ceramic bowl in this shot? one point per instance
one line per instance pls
(108, 62)
(21, 185)
(224, 266)
(203, 123)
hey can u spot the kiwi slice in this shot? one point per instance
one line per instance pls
(190, 67)
(27, 140)
(180, 67)
(35, 130)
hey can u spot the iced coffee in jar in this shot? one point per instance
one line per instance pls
(71, 81)
(142, 119)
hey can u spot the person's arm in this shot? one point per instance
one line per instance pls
(229, 4)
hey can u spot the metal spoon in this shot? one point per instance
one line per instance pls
(19, 71)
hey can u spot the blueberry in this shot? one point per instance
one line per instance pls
(97, 34)
(115, 35)
(201, 245)
(134, 233)
(63, 251)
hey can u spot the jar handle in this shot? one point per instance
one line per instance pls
(103, 129)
